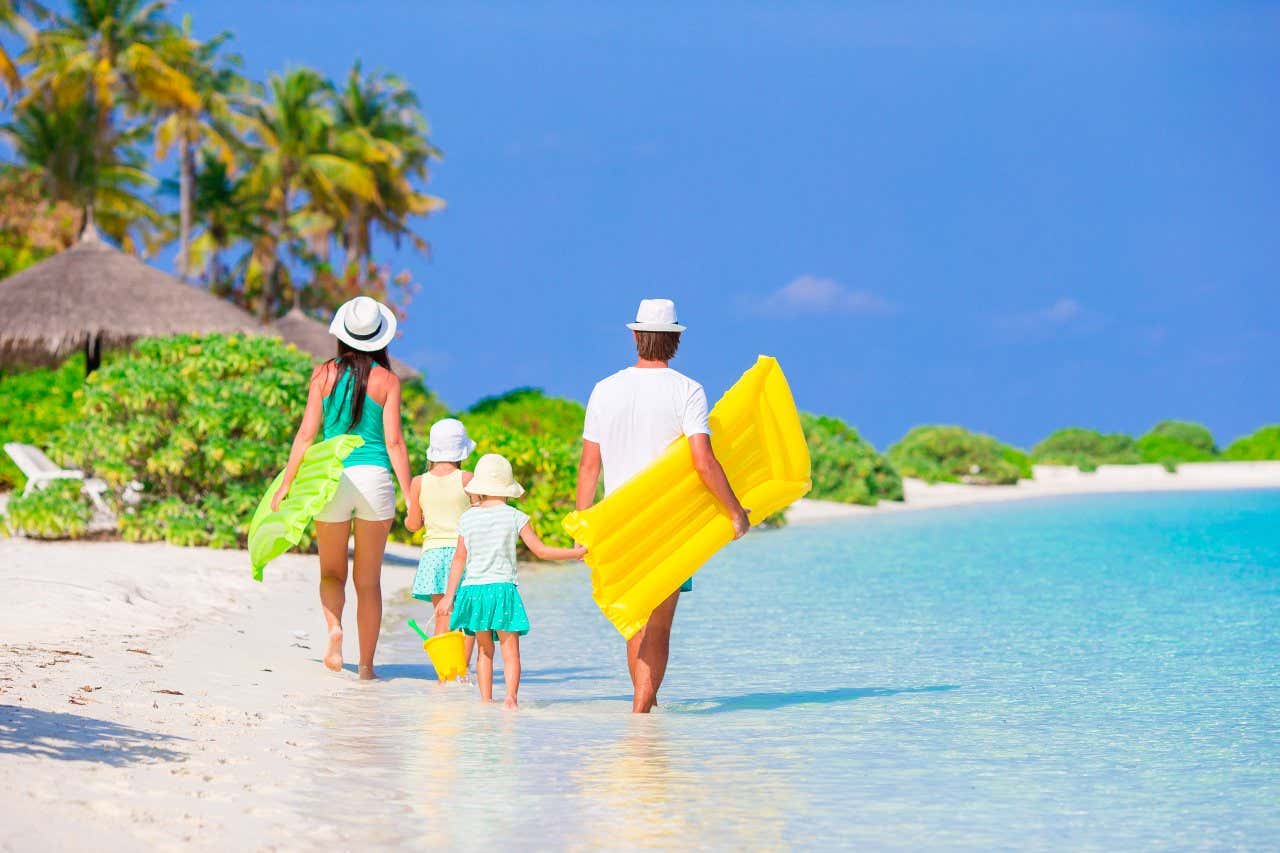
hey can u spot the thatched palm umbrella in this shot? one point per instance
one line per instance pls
(93, 296)
(310, 335)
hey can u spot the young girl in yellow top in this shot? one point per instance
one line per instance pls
(436, 501)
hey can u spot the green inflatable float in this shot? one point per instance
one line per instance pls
(273, 533)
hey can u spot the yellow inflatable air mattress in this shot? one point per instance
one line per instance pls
(650, 535)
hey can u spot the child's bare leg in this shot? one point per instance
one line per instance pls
(484, 665)
(331, 539)
(469, 644)
(510, 665)
(371, 541)
(442, 622)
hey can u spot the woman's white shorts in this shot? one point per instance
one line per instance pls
(365, 491)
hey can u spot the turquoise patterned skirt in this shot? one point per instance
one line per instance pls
(489, 607)
(432, 577)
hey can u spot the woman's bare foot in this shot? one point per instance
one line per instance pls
(510, 704)
(367, 673)
(333, 652)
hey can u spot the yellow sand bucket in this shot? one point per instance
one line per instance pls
(447, 652)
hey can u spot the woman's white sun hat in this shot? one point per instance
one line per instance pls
(656, 315)
(364, 324)
(449, 441)
(493, 477)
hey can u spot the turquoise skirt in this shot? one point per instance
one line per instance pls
(489, 607)
(432, 577)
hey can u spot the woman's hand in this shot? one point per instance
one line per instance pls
(278, 497)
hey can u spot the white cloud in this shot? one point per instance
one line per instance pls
(1065, 314)
(811, 294)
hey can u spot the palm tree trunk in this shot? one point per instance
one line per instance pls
(186, 180)
(269, 283)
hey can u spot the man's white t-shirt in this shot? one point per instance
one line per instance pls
(636, 413)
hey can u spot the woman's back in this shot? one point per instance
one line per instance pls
(338, 407)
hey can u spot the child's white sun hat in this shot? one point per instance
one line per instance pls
(364, 324)
(493, 477)
(449, 441)
(656, 315)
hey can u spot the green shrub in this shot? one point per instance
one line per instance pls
(542, 437)
(845, 466)
(1086, 449)
(1172, 442)
(951, 453)
(1262, 445)
(203, 423)
(34, 407)
(57, 511)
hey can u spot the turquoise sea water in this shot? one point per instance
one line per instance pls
(1097, 672)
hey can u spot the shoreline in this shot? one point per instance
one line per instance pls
(1052, 481)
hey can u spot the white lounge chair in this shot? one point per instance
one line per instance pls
(40, 471)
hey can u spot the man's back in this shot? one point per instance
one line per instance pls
(636, 413)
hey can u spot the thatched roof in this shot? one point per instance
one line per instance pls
(310, 335)
(50, 310)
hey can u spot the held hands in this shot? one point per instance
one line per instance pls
(444, 607)
(741, 523)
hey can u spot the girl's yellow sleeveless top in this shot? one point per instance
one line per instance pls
(443, 503)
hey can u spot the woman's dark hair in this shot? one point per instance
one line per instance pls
(360, 363)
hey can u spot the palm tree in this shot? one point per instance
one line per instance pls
(212, 126)
(102, 180)
(380, 124)
(13, 17)
(298, 164)
(108, 55)
(227, 213)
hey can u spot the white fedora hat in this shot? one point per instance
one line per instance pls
(364, 324)
(493, 477)
(656, 315)
(449, 441)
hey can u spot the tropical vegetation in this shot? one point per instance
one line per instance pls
(845, 467)
(278, 191)
(1169, 443)
(1086, 449)
(1262, 445)
(949, 454)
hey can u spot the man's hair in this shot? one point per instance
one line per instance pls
(657, 346)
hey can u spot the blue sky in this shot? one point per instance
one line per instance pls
(1015, 217)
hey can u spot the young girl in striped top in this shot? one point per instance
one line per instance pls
(482, 593)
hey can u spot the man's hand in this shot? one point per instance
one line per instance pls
(741, 523)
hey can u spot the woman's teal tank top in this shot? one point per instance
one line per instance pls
(337, 421)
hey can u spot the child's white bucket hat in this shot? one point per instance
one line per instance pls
(656, 315)
(493, 477)
(449, 441)
(364, 324)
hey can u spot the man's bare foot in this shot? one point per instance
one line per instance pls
(511, 704)
(367, 673)
(333, 652)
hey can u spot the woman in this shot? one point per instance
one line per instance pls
(355, 393)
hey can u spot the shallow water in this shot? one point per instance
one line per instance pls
(1086, 672)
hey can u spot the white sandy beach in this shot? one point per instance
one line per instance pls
(153, 696)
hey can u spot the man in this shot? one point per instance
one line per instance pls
(632, 417)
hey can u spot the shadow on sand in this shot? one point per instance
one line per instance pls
(70, 737)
